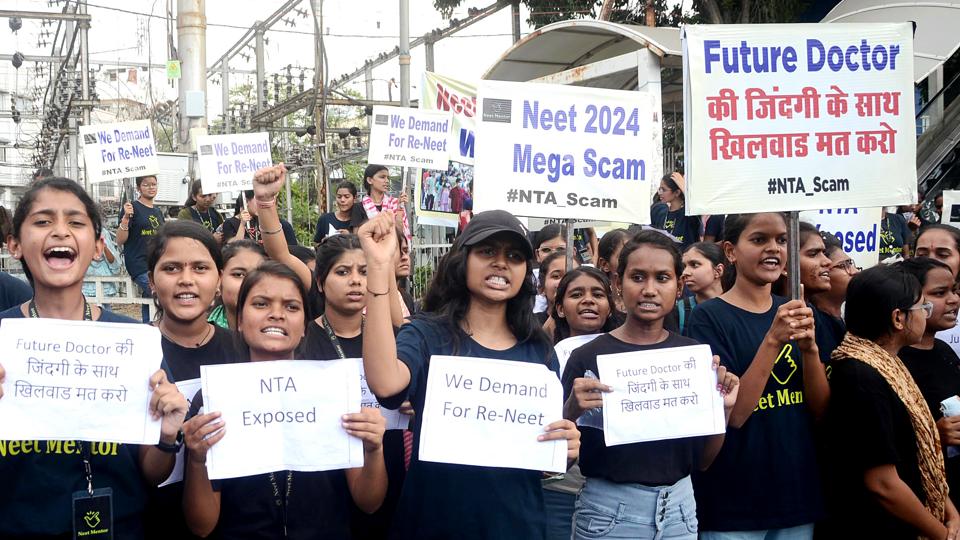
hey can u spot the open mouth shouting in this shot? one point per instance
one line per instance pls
(274, 331)
(770, 263)
(497, 282)
(60, 257)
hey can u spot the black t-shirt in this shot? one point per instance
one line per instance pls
(937, 374)
(440, 500)
(325, 222)
(685, 228)
(829, 333)
(766, 475)
(164, 515)
(13, 291)
(143, 226)
(654, 463)
(231, 225)
(210, 218)
(714, 227)
(40, 477)
(894, 234)
(316, 345)
(867, 426)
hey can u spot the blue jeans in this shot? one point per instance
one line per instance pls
(559, 506)
(144, 284)
(606, 509)
(800, 532)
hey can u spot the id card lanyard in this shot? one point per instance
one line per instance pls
(92, 508)
(333, 336)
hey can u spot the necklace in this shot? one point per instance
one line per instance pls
(199, 343)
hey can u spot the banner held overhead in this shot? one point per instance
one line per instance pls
(798, 117)
(557, 151)
(121, 150)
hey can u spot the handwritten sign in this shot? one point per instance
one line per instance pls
(395, 420)
(287, 413)
(857, 229)
(660, 394)
(227, 162)
(121, 150)
(78, 380)
(555, 151)
(410, 137)
(489, 413)
(798, 116)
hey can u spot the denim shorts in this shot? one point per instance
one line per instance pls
(607, 509)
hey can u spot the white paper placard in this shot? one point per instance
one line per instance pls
(489, 413)
(189, 389)
(660, 394)
(784, 117)
(287, 413)
(951, 208)
(555, 151)
(79, 380)
(228, 162)
(120, 150)
(395, 420)
(410, 137)
(857, 229)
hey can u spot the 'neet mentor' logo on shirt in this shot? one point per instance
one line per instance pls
(783, 370)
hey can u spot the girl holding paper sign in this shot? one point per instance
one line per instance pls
(271, 323)
(479, 304)
(639, 490)
(765, 479)
(56, 233)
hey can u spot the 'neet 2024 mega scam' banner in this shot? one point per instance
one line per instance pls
(439, 201)
(227, 162)
(122, 150)
(798, 117)
(554, 151)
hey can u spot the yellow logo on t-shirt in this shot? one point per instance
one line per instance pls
(785, 366)
(783, 370)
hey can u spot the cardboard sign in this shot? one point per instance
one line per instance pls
(660, 394)
(798, 116)
(228, 162)
(78, 380)
(410, 137)
(557, 151)
(121, 150)
(857, 229)
(287, 413)
(490, 412)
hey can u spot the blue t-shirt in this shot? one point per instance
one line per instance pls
(144, 225)
(442, 501)
(766, 475)
(39, 478)
(685, 228)
(13, 291)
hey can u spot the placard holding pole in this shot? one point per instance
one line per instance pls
(120, 150)
(555, 151)
(228, 162)
(798, 116)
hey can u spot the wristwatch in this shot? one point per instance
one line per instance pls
(172, 448)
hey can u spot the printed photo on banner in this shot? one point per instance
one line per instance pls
(798, 116)
(556, 151)
(459, 98)
(286, 412)
(660, 394)
(227, 162)
(405, 137)
(857, 229)
(489, 413)
(121, 150)
(74, 380)
(447, 191)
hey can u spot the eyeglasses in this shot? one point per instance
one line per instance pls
(846, 266)
(927, 308)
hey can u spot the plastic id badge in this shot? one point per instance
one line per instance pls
(93, 515)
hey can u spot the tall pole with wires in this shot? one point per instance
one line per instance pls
(319, 107)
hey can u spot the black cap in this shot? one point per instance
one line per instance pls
(486, 224)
